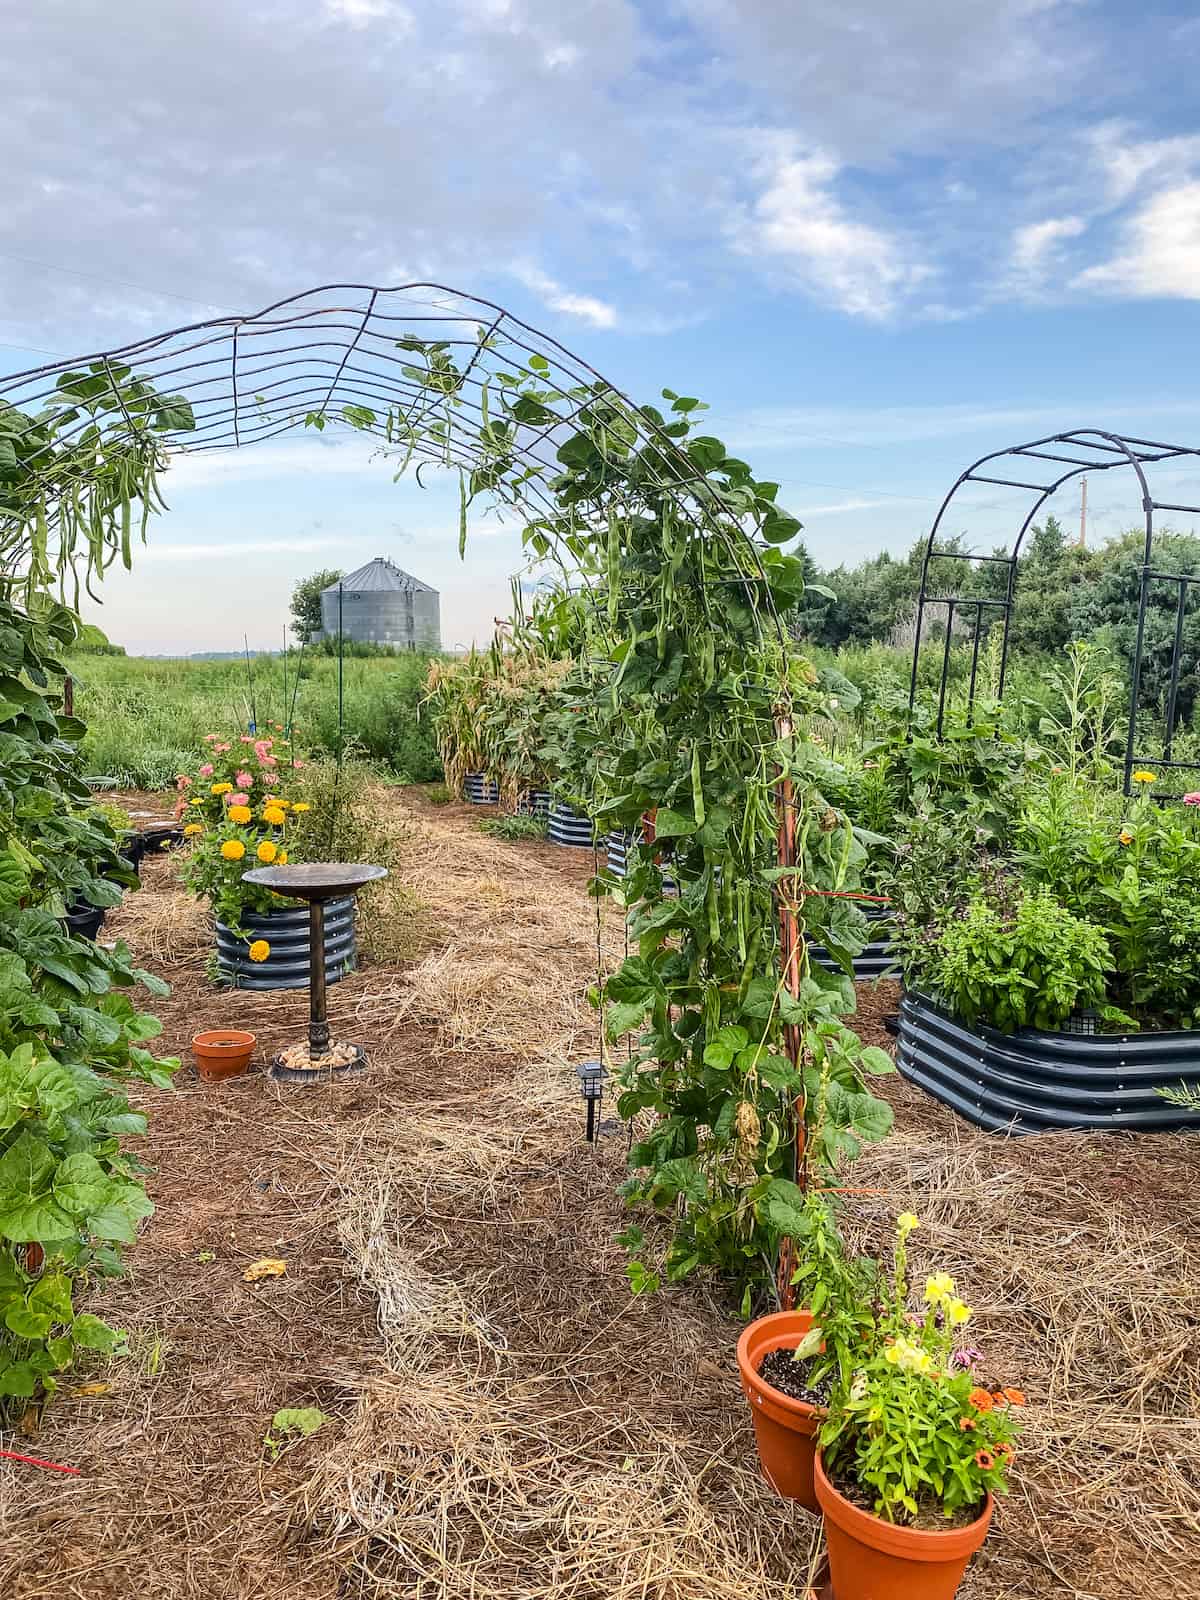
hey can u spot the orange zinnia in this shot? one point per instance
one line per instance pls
(1004, 1453)
(1013, 1396)
(966, 1424)
(981, 1400)
(985, 1459)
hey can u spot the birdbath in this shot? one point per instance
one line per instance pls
(317, 882)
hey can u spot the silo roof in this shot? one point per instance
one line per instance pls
(381, 574)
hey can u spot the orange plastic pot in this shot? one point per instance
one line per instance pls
(785, 1430)
(222, 1053)
(870, 1559)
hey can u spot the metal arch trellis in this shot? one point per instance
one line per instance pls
(427, 369)
(1092, 450)
(350, 354)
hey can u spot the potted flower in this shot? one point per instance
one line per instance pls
(788, 1360)
(236, 819)
(914, 1447)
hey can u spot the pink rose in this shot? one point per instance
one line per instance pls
(236, 799)
(243, 780)
(206, 771)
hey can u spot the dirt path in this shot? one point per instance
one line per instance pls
(504, 1419)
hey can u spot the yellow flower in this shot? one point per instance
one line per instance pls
(903, 1353)
(273, 815)
(302, 805)
(233, 849)
(957, 1312)
(906, 1222)
(281, 859)
(1144, 777)
(1125, 836)
(938, 1288)
(221, 788)
(192, 829)
(259, 950)
(266, 852)
(195, 801)
(239, 813)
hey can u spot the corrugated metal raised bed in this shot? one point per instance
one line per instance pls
(1033, 1081)
(874, 960)
(534, 803)
(479, 789)
(570, 827)
(286, 932)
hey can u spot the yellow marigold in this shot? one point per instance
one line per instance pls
(302, 805)
(192, 829)
(259, 950)
(1125, 836)
(195, 801)
(266, 852)
(233, 849)
(239, 813)
(1144, 777)
(273, 815)
(221, 788)
(281, 859)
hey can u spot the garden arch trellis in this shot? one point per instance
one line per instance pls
(1092, 450)
(442, 377)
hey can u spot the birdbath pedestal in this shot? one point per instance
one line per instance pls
(317, 882)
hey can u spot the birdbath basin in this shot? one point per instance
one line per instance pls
(316, 882)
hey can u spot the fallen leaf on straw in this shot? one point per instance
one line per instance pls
(268, 1267)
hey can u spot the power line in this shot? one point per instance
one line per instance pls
(123, 283)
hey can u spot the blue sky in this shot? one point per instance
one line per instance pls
(879, 239)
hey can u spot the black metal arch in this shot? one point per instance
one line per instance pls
(255, 377)
(1092, 450)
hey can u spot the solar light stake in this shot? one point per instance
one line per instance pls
(591, 1075)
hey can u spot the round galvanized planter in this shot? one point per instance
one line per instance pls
(570, 827)
(286, 931)
(616, 852)
(874, 960)
(534, 803)
(479, 789)
(1034, 1081)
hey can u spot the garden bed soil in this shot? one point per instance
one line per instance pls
(783, 1372)
(504, 1417)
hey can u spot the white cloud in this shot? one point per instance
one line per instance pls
(1035, 245)
(360, 13)
(799, 221)
(583, 306)
(1159, 251)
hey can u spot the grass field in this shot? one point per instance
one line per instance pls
(146, 717)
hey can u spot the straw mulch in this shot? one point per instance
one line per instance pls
(506, 1422)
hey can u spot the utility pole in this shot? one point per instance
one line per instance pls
(1083, 513)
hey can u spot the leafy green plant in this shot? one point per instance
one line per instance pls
(908, 1419)
(289, 1426)
(1026, 961)
(71, 1035)
(516, 825)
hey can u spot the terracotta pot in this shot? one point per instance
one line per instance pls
(222, 1053)
(785, 1430)
(870, 1559)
